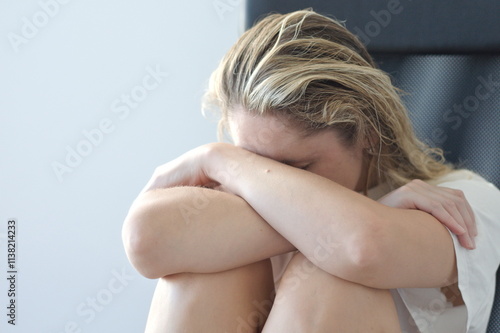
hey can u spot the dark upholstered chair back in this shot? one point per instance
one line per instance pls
(446, 56)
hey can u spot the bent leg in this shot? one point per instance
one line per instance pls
(237, 300)
(311, 300)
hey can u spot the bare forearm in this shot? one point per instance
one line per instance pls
(278, 208)
(337, 229)
(194, 229)
(323, 220)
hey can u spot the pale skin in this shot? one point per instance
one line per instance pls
(279, 192)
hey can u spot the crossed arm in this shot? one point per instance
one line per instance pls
(268, 208)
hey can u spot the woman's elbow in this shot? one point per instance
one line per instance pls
(141, 244)
(365, 261)
(364, 256)
(136, 243)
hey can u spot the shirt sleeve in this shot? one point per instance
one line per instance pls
(426, 310)
(477, 268)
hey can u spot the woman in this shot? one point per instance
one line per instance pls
(327, 179)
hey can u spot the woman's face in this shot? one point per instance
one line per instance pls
(322, 153)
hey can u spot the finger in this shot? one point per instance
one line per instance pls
(464, 209)
(466, 241)
(452, 221)
(471, 223)
(450, 200)
(438, 203)
(451, 211)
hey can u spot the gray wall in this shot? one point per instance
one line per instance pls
(93, 96)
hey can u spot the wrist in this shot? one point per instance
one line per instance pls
(224, 164)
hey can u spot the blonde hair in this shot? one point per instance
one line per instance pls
(309, 69)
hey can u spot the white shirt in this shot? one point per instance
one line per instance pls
(426, 310)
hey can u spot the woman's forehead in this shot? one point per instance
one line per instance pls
(271, 137)
(260, 129)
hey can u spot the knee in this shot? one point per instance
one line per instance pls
(302, 278)
(238, 300)
(311, 299)
(298, 271)
(255, 274)
(232, 286)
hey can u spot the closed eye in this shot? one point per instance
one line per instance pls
(305, 167)
(299, 166)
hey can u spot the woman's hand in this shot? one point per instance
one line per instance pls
(449, 206)
(186, 170)
(194, 168)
